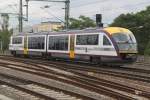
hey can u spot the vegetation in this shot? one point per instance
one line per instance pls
(4, 39)
(147, 50)
(81, 23)
(4, 33)
(139, 24)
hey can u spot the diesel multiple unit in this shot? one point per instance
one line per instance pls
(95, 45)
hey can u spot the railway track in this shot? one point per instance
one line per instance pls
(36, 89)
(77, 78)
(76, 81)
(124, 72)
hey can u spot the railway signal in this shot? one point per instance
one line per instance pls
(99, 20)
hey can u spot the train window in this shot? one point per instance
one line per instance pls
(120, 37)
(36, 42)
(106, 41)
(91, 39)
(17, 40)
(58, 43)
(132, 38)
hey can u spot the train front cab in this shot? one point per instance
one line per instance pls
(125, 42)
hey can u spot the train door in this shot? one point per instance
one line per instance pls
(25, 45)
(72, 53)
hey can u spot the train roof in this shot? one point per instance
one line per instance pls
(113, 30)
(110, 30)
(94, 30)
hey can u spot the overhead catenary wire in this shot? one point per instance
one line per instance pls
(109, 9)
(49, 12)
(55, 16)
(116, 8)
(88, 4)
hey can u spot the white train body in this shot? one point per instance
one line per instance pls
(97, 44)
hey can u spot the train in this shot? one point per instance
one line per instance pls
(98, 45)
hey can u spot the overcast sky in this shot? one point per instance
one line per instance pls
(110, 9)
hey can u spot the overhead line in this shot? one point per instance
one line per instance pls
(119, 7)
(116, 8)
(89, 3)
(55, 16)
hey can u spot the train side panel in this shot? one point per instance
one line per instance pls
(97, 46)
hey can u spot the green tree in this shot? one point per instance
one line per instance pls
(4, 38)
(147, 50)
(81, 23)
(139, 24)
(5, 33)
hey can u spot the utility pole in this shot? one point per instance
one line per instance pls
(20, 17)
(27, 8)
(67, 9)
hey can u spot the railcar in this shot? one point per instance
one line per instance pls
(112, 44)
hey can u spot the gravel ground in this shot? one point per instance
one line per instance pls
(141, 63)
(2, 97)
(15, 94)
(131, 83)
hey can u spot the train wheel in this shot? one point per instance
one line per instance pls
(14, 53)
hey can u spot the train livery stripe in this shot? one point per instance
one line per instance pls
(72, 53)
(113, 41)
(95, 49)
(25, 45)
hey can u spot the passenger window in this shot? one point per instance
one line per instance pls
(36, 42)
(58, 43)
(17, 40)
(87, 39)
(106, 41)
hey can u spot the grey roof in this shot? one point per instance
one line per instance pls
(63, 32)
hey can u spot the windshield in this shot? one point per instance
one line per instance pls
(124, 38)
(119, 37)
(125, 41)
(132, 38)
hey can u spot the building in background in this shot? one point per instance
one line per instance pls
(42, 27)
(47, 26)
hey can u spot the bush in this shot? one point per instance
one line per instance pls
(147, 50)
